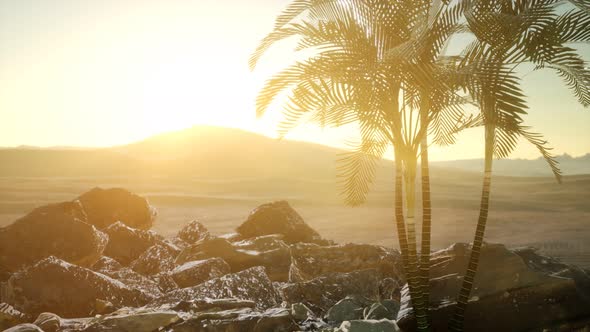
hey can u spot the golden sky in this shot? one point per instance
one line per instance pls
(109, 72)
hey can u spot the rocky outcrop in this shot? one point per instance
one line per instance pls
(245, 319)
(127, 244)
(312, 261)
(65, 289)
(49, 231)
(278, 218)
(192, 233)
(48, 322)
(509, 296)
(156, 259)
(277, 261)
(197, 272)
(134, 320)
(104, 207)
(321, 293)
(252, 284)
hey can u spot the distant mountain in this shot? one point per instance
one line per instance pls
(523, 167)
(215, 152)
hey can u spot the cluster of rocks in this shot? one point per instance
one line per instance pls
(94, 265)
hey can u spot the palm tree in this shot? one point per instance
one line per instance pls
(365, 71)
(509, 34)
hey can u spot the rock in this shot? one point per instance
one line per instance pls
(503, 270)
(251, 284)
(48, 322)
(157, 258)
(207, 304)
(196, 272)
(313, 261)
(150, 288)
(345, 309)
(127, 244)
(323, 292)
(389, 288)
(65, 289)
(104, 207)
(245, 319)
(193, 232)
(508, 294)
(261, 243)
(165, 282)
(46, 232)
(276, 319)
(392, 306)
(134, 320)
(106, 264)
(276, 261)
(110, 267)
(10, 317)
(24, 328)
(300, 311)
(383, 325)
(532, 308)
(73, 209)
(102, 307)
(278, 218)
(378, 311)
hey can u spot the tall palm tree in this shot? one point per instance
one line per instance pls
(509, 34)
(376, 64)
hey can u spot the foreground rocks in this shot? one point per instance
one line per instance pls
(510, 296)
(68, 290)
(92, 264)
(252, 284)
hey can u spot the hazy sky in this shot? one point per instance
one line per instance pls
(100, 73)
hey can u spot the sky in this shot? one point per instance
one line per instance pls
(110, 72)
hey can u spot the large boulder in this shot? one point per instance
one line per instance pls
(550, 306)
(104, 207)
(197, 272)
(127, 276)
(503, 270)
(50, 231)
(278, 218)
(156, 259)
(127, 244)
(312, 261)
(508, 294)
(251, 284)
(321, 293)
(68, 290)
(277, 261)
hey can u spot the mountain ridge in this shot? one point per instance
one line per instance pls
(219, 151)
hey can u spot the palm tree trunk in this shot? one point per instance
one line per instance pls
(409, 260)
(456, 323)
(426, 208)
(414, 280)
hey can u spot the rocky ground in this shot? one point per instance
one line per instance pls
(92, 264)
